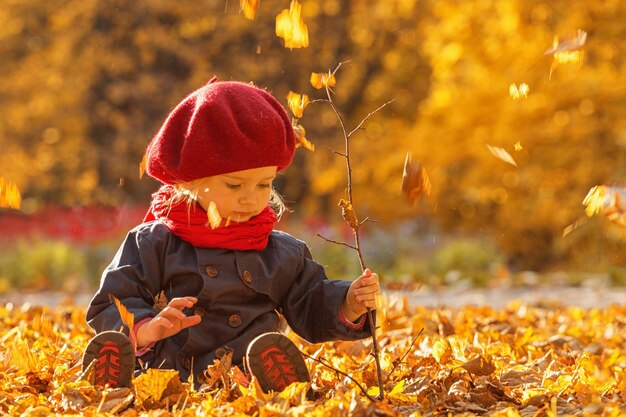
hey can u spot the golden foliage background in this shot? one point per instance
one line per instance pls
(85, 84)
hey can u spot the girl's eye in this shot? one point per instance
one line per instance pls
(264, 186)
(233, 186)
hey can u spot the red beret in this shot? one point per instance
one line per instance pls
(223, 127)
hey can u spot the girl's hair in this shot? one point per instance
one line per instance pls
(188, 191)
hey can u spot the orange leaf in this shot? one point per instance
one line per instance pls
(155, 385)
(320, 79)
(415, 181)
(297, 103)
(248, 7)
(142, 166)
(301, 140)
(10, 196)
(215, 220)
(127, 317)
(291, 27)
(501, 154)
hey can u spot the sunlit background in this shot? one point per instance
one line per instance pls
(514, 110)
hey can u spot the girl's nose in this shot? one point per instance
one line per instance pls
(248, 198)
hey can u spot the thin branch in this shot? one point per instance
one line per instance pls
(339, 65)
(336, 242)
(367, 219)
(323, 362)
(368, 116)
(405, 353)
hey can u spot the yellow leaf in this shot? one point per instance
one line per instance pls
(155, 385)
(320, 79)
(571, 43)
(501, 154)
(594, 200)
(520, 92)
(127, 317)
(297, 103)
(442, 350)
(248, 7)
(301, 140)
(142, 166)
(291, 27)
(10, 196)
(518, 146)
(213, 215)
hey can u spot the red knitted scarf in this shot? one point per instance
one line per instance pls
(190, 223)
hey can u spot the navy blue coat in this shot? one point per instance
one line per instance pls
(240, 294)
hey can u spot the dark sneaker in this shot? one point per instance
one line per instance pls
(114, 357)
(276, 362)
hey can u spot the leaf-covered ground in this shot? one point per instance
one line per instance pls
(529, 360)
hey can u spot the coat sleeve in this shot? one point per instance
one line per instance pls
(133, 277)
(312, 303)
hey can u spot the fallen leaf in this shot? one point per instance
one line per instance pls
(155, 387)
(301, 140)
(479, 366)
(213, 215)
(517, 93)
(10, 196)
(127, 317)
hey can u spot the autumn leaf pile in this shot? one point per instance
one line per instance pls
(529, 360)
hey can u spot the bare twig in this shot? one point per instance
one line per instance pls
(337, 242)
(405, 353)
(325, 363)
(368, 116)
(350, 217)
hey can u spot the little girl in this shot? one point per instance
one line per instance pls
(206, 272)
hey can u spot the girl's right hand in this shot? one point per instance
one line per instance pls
(168, 322)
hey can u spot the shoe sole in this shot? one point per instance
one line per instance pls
(115, 359)
(276, 362)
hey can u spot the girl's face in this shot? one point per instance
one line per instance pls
(239, 195)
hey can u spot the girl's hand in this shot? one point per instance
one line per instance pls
(168, 322)
(361, 295)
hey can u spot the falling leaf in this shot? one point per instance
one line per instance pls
(10, 196)
(291, 27)
(568, 50)
(142, 166)
(301, 140)
(609, 200)
(518, 146)
(415, 181)
(517, 93)
(297, 103)
(320, 79)
(347, 212)
(213, 215)
(127, 317)
(501, 154)
(248, 7)
(570, 228)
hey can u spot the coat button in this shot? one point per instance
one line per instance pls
(247, 277)
(211, 271)
(199, 311)
(186, 363)
(234, 320)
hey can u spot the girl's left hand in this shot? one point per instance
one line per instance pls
(361, 295)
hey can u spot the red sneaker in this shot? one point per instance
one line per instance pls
(115, 359)
(276, 362)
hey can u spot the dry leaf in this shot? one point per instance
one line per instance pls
(347, 212)
(520, 92)
(142, 166)
(571, 43)
(479, 366)
(301, 140)
(319, 80)
(248, 7)
(415, 181)
(501, 154)
(10, 196)
(155, 387)
(518, 146)
(291, 27)
(213, 215)
(160, 301)
(127, 317)
(297, 103)
(609, 200)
